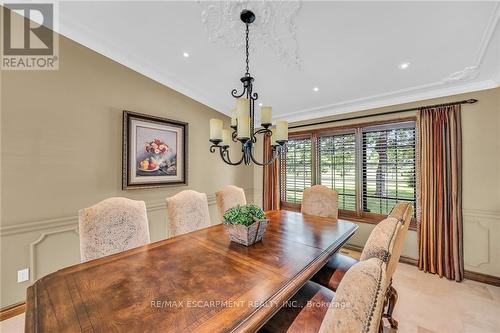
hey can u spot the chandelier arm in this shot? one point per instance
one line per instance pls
(266, 131)
(254, 96)
(234, 93)
(224, 154)
(212, 148)
(273, 158)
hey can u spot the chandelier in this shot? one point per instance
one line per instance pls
(243, 119)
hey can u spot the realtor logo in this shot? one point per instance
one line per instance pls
(29, 42)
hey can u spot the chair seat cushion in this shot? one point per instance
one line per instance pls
(304, 312)
(334, 270)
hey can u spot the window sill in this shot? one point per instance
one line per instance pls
(413, 223)
(349, 216)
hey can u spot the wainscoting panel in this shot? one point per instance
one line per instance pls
(46, 255)
(481, 229)
(47, 246)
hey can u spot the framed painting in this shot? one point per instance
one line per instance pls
(154, 151)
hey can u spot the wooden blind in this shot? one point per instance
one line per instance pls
(371, 166)
(388, 167)
(337, 167)
(296, 171)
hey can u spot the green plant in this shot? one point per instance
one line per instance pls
(244, 215)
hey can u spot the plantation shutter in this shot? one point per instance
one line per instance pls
(337, 167)
(296, 170)
(388, 166)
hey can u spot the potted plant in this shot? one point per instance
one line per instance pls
(245, 224)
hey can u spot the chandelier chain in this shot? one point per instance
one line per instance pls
(247, 52)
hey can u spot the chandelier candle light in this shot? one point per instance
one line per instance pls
(243, 119)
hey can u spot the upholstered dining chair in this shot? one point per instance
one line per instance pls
(228, 197)
(356, 306)
(403, 211)
(386, 239)
(321, 201)
(111, 226)
(187, 211)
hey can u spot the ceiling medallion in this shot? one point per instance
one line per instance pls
(274, 27)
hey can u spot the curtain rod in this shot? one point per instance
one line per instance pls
(465, 101)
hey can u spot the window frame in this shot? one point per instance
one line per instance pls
(357, 128)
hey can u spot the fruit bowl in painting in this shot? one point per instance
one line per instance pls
(149, 164)
(149, 170)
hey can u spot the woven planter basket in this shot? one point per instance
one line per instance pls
(252, 234)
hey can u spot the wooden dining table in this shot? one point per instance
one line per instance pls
(196, 282)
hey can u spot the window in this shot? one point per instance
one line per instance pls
(337, 167)
(297, 170)
(388, 167)
(371, 167)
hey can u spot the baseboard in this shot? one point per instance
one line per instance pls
(408, 260)
(353, 247)
(12, 310)
(475, 276)
(403, 259)
(484, 278)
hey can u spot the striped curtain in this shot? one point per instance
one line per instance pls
(271, 195)
(440, 193)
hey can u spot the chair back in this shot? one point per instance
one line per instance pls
(320, 200)
(228, 197)
(381, 241)
(403, 212)
(187, 211)
(111, 226)
(359, 299)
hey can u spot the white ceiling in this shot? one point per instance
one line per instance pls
(350, 50)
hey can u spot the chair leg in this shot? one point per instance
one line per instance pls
(381, 327)
(393, 298)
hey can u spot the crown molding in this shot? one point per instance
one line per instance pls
(472, 72)
(461, 81)
(487, 35)
(383, 100)
(84, 36)
(496, 77)
(456, 83)
(467, 74)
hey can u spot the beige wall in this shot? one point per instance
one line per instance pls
(481, 178)
(61, 150)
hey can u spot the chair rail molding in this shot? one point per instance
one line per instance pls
(66, 221)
